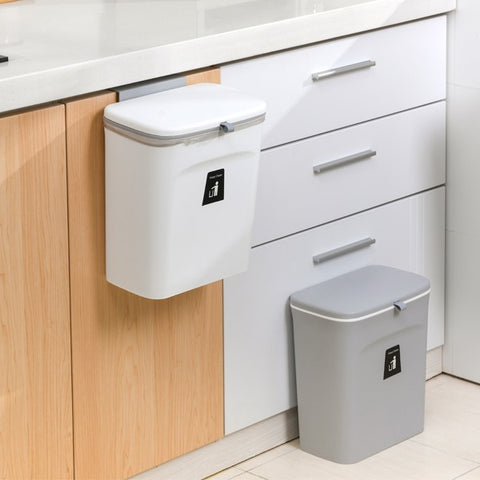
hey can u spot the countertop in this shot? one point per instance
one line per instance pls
(63, 48)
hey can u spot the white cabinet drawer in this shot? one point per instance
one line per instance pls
(259, 368)
(410, 70)
(320, 179)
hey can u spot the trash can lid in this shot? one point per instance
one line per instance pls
(361, 293)
(184, 112)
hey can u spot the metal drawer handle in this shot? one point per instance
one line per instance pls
(345, 69)
(337, 252)
(344, 160)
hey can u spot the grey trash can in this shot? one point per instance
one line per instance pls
(360, 354)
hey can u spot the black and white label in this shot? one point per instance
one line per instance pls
(214, 187)
(392, 362)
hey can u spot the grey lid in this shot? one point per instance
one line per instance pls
(360, 293)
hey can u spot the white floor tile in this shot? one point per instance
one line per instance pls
(448, 449)
(436, 382)
(267, 456)
(247, 476)
(408, 460)
(473, 475)
(227, 474)
(237, 476)
(452, 419)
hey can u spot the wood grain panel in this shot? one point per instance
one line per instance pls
(147, 375)
(35, 372)
(204, 76)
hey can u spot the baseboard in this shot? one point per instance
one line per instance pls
(230, 450)
(249, 442)
(434, 362)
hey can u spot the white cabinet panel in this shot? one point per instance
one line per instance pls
(259, 368)
(409, 70)
(409, 157)
(461, 351)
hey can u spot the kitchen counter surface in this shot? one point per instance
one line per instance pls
(62, 48)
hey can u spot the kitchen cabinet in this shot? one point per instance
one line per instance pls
(145, 378)
(147, 375)
(342, 82)
(330, 176)
(96, 382)
(353, 159)
(35, 375)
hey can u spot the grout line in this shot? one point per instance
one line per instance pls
(466, 473)
(252, 474)
(268, 461)
(466, 380)
(438, 380)
(447, 453)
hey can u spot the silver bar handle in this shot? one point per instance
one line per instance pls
(344, 160)
(345, 69)
(344, 249)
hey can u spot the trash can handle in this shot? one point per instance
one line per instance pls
(400, 306)
(227, 127)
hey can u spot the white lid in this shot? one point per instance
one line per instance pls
(185, 111)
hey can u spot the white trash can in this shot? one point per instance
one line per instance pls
(360, 353)
(181, 177)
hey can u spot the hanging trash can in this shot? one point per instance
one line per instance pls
(360, 355)
(180, 177)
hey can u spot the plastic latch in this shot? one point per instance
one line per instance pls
(227, 127)
(400, 306)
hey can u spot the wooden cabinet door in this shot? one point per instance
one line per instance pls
(35, 367)
(147, 375)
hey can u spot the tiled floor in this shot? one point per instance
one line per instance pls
(448, 449)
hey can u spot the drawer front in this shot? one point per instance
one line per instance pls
(409, 70)
(259, 365)
(329, 176)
